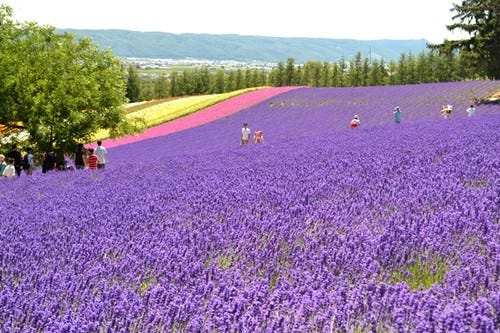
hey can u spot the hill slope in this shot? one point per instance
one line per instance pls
(318, 110)
(125, 43)
(320, 229)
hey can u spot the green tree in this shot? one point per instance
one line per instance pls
(392, 73)
(481, 51)
(299, 76)
(162, 87)
(148, 89)
(326, 75)
(133, 84)
(411, 69)
(262, 78)
(219, 82)
(290, 72)
(279, 75)
(343, 71)
(377, 73)
(175, 83)
(402, 71)
(356, 70)
(204, 81)
(250, 78)
(365, 72)
(230, 81)
(60, 89)
(336, 75)
(239, 80)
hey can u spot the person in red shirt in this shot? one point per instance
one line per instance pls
(92, 159)
(355, 121)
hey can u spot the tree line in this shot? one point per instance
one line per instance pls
(429, 66)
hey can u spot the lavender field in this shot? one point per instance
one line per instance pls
(385, 228)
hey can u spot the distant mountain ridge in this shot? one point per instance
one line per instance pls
(126, 43)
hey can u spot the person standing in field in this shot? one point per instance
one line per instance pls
(258, 136)
(397, 114)
(446, 111)
(102, 154)
(30, 162)
(355, 122)
(49, 162)
(471, 111)
(246, 133)
(92, 159)
(3, 165)
(16, 156)
(10, 170)
(79, 157)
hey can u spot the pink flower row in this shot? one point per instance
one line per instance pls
(204, 116)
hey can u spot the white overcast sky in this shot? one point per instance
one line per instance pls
(351, 19)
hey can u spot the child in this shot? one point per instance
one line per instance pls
(258, 136)
(355, 121)
(92, 159)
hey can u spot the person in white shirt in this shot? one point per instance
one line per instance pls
(102, 154)
(471, 111)
(246, 133)
(10, 170)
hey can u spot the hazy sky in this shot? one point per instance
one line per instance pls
(352, 19)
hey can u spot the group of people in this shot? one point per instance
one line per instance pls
(13, 164)
(447, 110)
(90, 158)
(246, 135)
(97, 158)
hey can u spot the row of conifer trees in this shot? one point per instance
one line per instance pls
(428, 66)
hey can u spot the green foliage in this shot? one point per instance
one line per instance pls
(225, 260)
(133, 84)
(421, 274)
(60, 89)
(481, 51)
(361, 71)
(429, 66)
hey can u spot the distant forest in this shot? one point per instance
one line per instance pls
(426, 66)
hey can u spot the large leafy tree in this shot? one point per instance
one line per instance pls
(60, 89)
(479, 18)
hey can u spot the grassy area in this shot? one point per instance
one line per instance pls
(421, 273)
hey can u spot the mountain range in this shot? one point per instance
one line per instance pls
(164, 45)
